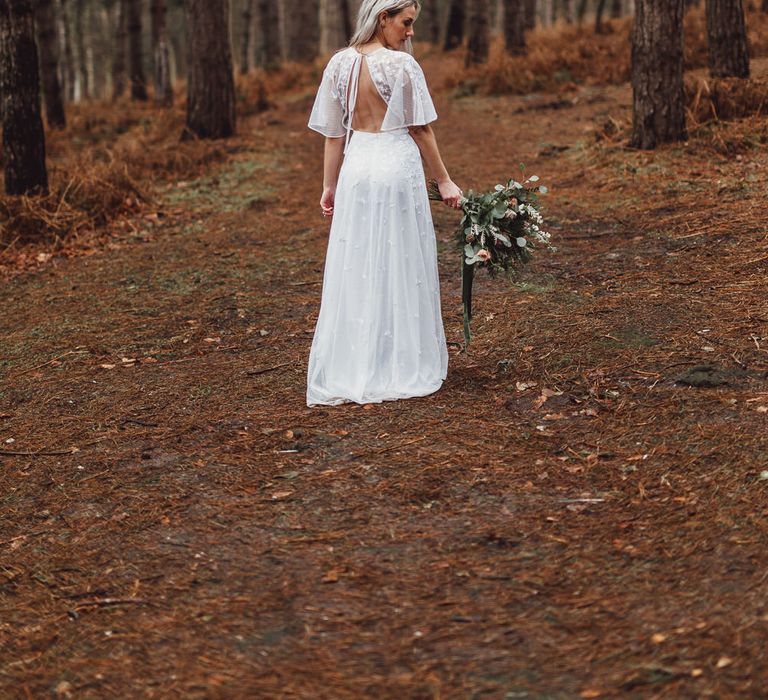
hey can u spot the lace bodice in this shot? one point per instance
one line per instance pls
(398, 78)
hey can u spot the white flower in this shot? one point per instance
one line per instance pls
(499, 188)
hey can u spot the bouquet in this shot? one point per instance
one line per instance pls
(498, 231)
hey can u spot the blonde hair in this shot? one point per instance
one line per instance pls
(368, 17)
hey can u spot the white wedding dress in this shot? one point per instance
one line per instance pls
(379, 333)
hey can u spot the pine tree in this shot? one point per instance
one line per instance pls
(514, 26)
(135, 52)
(23, 135)
(657, 73)
(48, 49)
(727, 39)
(211, 86)
(479, 32)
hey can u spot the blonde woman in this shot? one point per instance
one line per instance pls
(379, 333)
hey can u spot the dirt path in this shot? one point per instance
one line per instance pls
(214, 538)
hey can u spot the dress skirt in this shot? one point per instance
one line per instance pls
(379, 334)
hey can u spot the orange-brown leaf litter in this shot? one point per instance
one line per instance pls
(579, 512)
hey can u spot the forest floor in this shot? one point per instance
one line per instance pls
(580, 511)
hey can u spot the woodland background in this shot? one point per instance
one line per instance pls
(579, 512)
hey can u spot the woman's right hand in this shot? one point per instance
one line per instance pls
(327, 201)
(450, 193)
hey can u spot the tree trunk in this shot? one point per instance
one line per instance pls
(135, 53)
(68, 59)
(211, 86)
(160, 54)
(302, 29)
(530, 13)
(514, 26)
(82, 91)
(268, 46)
(453, 35)
(616, 9)
(48, 47)
(727, 39)
(581, 10)
(119, 62)
(332, 33)
(599, 16)
(23, 135)
(346, 20)
(428, 26)
(246, 37)
(764, 6)
(658, 113)
(479, 32)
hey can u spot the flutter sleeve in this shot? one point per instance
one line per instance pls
(328, 110)
(410, 103)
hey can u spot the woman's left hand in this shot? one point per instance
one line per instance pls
(451, 193)
(327, 200)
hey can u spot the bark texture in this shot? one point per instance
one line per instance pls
(479, 32)
(211, 85)
(727, 39)
(23, 135)
(136, 58)
(658, 113)
(514, 26)
(48, 50)
(160, 54)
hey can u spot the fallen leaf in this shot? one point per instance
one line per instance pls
(127, 360)
(658, 638)
(724, 662)
(545, 395)
(211, 340)
(331, 577)
(762, 409)
(523, 386)
(696, 672)
(278, 495)
(591, 693)
(107, 366)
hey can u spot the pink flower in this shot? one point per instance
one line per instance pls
(483, 255)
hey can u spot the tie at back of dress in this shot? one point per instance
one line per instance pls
(366, 108)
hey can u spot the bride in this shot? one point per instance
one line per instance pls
(379, 333)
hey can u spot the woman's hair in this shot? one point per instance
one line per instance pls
(368, 17)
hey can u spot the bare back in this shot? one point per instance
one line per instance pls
(370, 108)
